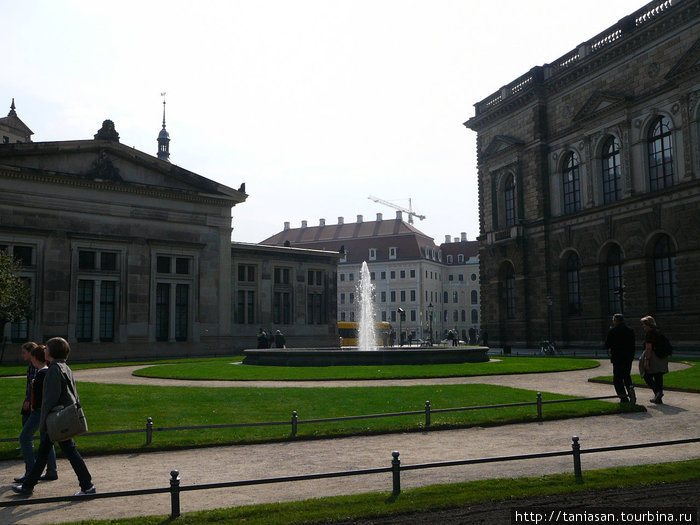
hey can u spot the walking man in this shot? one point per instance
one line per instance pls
(620, 342)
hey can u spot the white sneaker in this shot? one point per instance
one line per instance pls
(91, 490)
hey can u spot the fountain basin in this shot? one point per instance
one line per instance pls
(349, 356)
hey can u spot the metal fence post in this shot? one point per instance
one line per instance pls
(396, 473)
(539, 406)
(149, 430)
(174, 494)
(295, 420)
(427, 413)
(576, 447)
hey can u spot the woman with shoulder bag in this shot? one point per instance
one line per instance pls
(652, 367)
(58, 385)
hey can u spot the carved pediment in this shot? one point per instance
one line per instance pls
(502, 143)
(600, 101)
(689, 64)
(104, 169)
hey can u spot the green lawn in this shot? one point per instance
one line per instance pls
(437, 497)
(223, 369)
(115, 407)
(687, 380)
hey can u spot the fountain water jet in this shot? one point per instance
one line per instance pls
(367, 334)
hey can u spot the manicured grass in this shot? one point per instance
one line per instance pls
(117, 407)
(687, 380)
(21, 369)
(228, 370)
(432, 498)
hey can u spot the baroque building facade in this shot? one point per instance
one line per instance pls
(589, 186)
(416, 282)
(128, 255)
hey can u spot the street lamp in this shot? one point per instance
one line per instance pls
(430, 324)
(401, 312)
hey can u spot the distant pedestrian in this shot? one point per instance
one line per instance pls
(620, 342)
(485, 338)
(652, 366)
(58, 385)
(280, 341)
(262, 339)
(472, 336)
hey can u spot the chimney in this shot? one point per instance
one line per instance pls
(399, 216)
(456, 239)
(322, 222)
(341, 221)
(303, 224)
(286, 225)
(359, 219)
(379, 217)
(447, 238)
(464, 236)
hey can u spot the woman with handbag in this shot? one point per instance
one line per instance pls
(38, 359)
(59, 389)
(652, 367)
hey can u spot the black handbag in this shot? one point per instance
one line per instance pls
(66, 422)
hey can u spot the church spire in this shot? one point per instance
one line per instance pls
(12, 108)
(163, 138)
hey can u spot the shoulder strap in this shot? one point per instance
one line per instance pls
(69, 386)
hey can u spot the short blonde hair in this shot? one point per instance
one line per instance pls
(649, 321)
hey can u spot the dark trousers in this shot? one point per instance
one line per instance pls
(655, 382)
(72, 455)
(621, 377)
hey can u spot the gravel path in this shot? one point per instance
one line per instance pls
(678, 418)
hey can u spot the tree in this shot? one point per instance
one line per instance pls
(15, 296)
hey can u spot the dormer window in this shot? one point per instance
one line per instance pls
(372, 254)
(449, 260)
(392, 252)
(460, 258)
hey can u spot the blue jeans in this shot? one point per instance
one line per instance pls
(72, 455)
(31, 425)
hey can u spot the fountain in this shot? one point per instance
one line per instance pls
(366, 352)
(367, 335)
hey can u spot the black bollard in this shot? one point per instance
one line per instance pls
(576, 447)
(396, 472)
(174, 494)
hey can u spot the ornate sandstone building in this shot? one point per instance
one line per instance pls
(589, 186)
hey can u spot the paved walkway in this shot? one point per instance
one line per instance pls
(678, 418)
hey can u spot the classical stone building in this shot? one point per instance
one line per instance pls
(408, 270)
(128, 255)
(589, 186)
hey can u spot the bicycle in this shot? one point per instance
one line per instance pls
(549, 348)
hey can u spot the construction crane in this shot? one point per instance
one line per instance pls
(408, 211)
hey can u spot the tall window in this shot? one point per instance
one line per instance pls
(162, 311)
(182, 294)
(245, 310)
(572, 191)
(660, 154)
(665, 274)
(573, 293)
(612, 177)
(282, 308)
(509, 286)
(509, 200)
(615, 280)
(83, 329)
(314, 310)
(108, 301)
(475, 316)
(474, 297)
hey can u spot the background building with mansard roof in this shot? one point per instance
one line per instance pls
(409, 272)
(589, 186)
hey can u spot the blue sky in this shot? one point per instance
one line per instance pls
(315, 105)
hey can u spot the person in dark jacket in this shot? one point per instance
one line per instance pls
(620, 342)
(31, 372)
(280, 341)
(56, 392)
(652, 367)
(38, 358)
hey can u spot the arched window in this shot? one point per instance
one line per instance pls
(573, 284)
(509, 200)
(475, 297)
(665, 274)
(612, 177)
(660, 154)
(615, 281)
(445, 298)
(464, 316)
(455, 316)
(475, 316)
(572, 190)
(509, 286)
